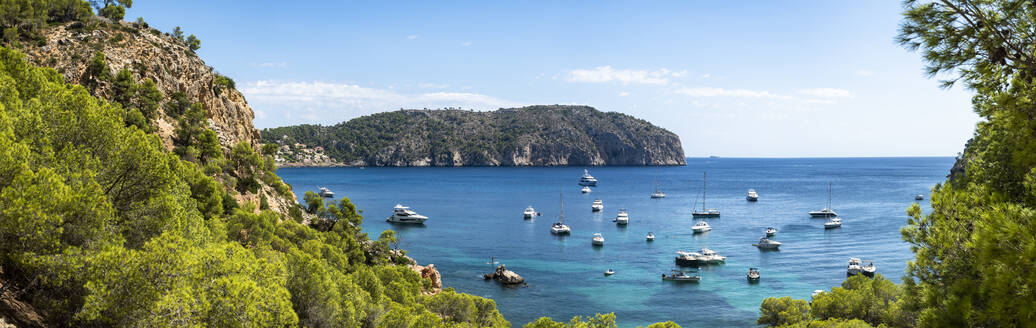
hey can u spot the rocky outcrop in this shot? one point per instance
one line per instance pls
(504, 276)
(429, 272)
(14, 312)
(150, 54)
(528, 136)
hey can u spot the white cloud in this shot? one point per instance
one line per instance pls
(270, 64)
(293, 102)
(466, 43)
(412, 37)
(864, 72)
(623, 94)
(602, 74)
(826, 92)
(730, 93)
(706, 75)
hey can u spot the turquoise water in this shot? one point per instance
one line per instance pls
(476, 213)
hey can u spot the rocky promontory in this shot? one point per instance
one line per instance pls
(555, 135)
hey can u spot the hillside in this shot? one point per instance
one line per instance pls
(114, 60)
(554, 135)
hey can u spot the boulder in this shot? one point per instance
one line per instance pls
(504, 276)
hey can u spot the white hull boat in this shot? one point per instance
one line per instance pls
(598, 240)
(403, 214)
(765, 243)
(701, 226)
(622, 218)
(529, 213)
(597, 206)
(587, 179)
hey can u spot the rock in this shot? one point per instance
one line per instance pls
(504, 276)
(429, 272)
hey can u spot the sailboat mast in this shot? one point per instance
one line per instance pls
(562, 206)
(829, 195)
(704, 189)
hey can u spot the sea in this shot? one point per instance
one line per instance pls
(476, 223)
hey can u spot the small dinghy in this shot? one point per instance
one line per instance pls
(753, 274)
(609, 272)
(650, 237)
(585, 189)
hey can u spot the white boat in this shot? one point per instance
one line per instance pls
(827, 211)
(753, 274)
(868, 269)
(403, 214)
(705, 213)
(587, 179)
(771, 231)
(701, 226)
(529, 212)
(854, 267)
(766, 243)
(833, 223)
(324, 192)
(597, 206)
(609, 272)
(709, 256)
(688, 258)
(585, 189)
(682, 276)
(622, 218)
(919, 197)
(598, 240)
(559, 227)
(657, 193)
(752, 195)
(650, 237)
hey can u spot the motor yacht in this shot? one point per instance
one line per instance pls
(709, 256)
(326, 193)
(622, 218)
(854, 267)
(688, 258)
(766, 243)
(752, 195)
(682, 276)
(587, 179)
(529, 212)
(597, 206)
(585, 190)
(403, 214)
(650, 237)
(598, 240)
(834, 222)
(753, 274)
(701, 226)
(771, 231)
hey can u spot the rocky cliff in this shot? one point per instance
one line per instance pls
(529, 136)
(165, 59)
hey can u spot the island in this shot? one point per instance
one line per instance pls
(543, 135)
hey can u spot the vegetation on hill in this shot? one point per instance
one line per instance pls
(975, 251)
(534, 135)
(104, 224)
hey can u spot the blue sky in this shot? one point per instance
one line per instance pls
(747, 79)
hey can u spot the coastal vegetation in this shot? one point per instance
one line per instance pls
(534, 135)
(129, 201)
(975, 250)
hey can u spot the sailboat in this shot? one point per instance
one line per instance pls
(657, 193)
(705, 213)
(559, 228)
(827, 211)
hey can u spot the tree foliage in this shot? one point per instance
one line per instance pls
(101, 226)
(970, 249)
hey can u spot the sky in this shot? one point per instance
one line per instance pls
(736, 79)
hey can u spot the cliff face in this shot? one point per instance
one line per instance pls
(150, 54)
(529, 136)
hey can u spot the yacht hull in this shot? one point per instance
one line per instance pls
(687, 263)
(705, 215)
(409, 220)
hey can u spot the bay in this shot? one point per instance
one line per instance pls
(476, 213)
